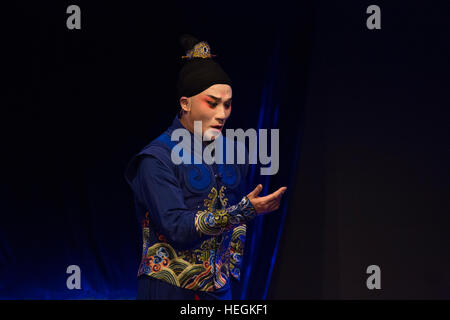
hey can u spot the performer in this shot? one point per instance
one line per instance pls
(193, 215)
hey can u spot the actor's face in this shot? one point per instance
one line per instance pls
(212, 107)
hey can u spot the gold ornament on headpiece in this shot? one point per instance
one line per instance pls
(200, 50)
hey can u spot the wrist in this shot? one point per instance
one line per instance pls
(242, 212)
(219, 221)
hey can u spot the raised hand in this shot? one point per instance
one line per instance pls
(267, 203)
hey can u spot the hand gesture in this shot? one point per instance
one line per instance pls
(268, 203)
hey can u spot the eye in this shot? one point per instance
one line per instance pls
(228, 105)
(212, 104)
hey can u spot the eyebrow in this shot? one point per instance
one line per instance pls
(216, 98)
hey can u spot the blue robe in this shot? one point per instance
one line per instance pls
(193, 219)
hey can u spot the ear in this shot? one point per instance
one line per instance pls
(185, 104)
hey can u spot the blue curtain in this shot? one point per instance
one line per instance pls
(263, 234)
(78, 108)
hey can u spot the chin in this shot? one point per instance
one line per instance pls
(211, 134)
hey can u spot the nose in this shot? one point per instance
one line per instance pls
(221, 115)
(220, 120)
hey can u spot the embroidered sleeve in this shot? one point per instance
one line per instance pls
(237, 250)
(215, 222)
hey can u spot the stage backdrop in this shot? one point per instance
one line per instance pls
(81, 103)
(373, 181)
(363, 119)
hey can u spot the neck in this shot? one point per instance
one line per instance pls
(187, 124)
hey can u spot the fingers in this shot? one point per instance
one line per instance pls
(267, 203)
(270, 202)
(255, 191)
(276, 195)
(280, 191)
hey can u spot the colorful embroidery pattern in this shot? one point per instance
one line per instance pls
(237, 250)
(205, 268)
(214, 220)
(187, 269)
(200, 50)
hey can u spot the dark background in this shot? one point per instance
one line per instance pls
(363, 118)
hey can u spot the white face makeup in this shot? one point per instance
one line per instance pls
(212, 107)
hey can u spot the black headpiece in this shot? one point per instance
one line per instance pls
(200, 71)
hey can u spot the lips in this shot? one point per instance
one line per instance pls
(218, 127)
